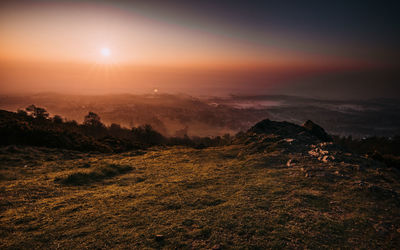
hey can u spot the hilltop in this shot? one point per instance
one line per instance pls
(277, 185)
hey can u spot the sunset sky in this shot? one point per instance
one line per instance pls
(317, 48)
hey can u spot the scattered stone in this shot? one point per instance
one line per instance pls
(288, 163)
(292, 162)
(216, 247)
(159, 237)
(316, 151)
(321, 152)
(325, 158)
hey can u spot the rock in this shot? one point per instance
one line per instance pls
(216, 247)
(317, 131)
(284, 129)
(319, 151)
(159, 237)
(291, 162)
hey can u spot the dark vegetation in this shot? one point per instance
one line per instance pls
(383, 145)
(170, 115)
(383, 149)
(34, 127)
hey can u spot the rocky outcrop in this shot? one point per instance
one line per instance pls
(285, 129)
(309, 132)
(317, 131)
(308, 141)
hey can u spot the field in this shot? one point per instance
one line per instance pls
(177, 197)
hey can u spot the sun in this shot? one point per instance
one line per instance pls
(104, 58)
(106, 52)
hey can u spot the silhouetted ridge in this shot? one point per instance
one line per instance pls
(279, 128)
(287, 129)
(317, 131)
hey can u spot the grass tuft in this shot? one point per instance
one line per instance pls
(98, 174)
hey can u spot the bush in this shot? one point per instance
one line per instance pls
(98, 174)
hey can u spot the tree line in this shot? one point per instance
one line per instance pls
(34, 126)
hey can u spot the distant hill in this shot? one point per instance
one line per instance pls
(176, 115)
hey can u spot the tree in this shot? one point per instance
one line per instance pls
(57, 119)
(227, 138)
(37, 112)
(117, 131)
(93, 120)
(22, 112)
(146, 135)
(115, 127)
(93, 126)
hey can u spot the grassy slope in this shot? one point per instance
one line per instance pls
(194, 199)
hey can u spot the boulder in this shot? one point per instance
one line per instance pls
(317, 131)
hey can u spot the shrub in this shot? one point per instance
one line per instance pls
(97, 174)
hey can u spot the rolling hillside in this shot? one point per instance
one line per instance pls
(278, 185)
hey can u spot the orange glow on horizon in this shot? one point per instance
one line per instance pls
(98, 47)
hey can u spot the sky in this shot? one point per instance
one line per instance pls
(331, 49)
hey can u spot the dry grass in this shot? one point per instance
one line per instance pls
(192, 199)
